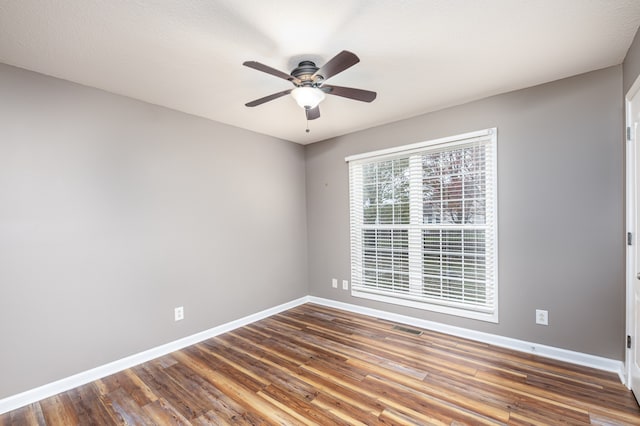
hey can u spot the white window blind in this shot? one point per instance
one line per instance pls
(424, 225)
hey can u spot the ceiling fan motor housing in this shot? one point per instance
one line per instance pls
(304, 72)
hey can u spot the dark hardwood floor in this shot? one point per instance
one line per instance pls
(316, 365)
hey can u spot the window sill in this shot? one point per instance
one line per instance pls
(449, 310)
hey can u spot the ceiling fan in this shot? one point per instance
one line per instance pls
(309, 80)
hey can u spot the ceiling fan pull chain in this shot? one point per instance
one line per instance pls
(307, 126)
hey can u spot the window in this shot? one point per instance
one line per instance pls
(424, 225)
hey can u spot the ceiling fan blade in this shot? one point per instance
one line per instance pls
(268, 98)
(265, 68)
(313, 113)
(349, 92)
(338, 63)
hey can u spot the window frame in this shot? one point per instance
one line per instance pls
(488, 138)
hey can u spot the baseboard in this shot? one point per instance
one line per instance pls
(559, 354)
(33, 395)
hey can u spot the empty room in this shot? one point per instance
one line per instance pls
(351, 212)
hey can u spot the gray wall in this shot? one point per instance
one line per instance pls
(631, 66)
(560, 209)
(113, 212)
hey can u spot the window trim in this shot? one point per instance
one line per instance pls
(446, 306)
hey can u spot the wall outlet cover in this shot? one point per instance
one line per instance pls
(178, 313)
(542, 317)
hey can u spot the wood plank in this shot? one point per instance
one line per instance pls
(25, 416)
(59, 410)
(90, 406)
(126, 408)
(164, 386)
(161, 412)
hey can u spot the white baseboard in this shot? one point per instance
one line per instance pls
(28, 397)
(33, 395)
(559, 354)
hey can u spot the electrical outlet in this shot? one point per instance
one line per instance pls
(542, 317)
(345, 284)
(178, 313)
(334, 282)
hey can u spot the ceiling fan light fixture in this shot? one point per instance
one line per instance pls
(308, 97)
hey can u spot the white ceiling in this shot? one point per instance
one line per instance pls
(419, 55)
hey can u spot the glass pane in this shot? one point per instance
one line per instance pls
(432, 265)
(432, 212)
(453, 265)
(454, 186)
(432, 287)
(432, 240)
(452, 241)
(386, 259)
(386, 192)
